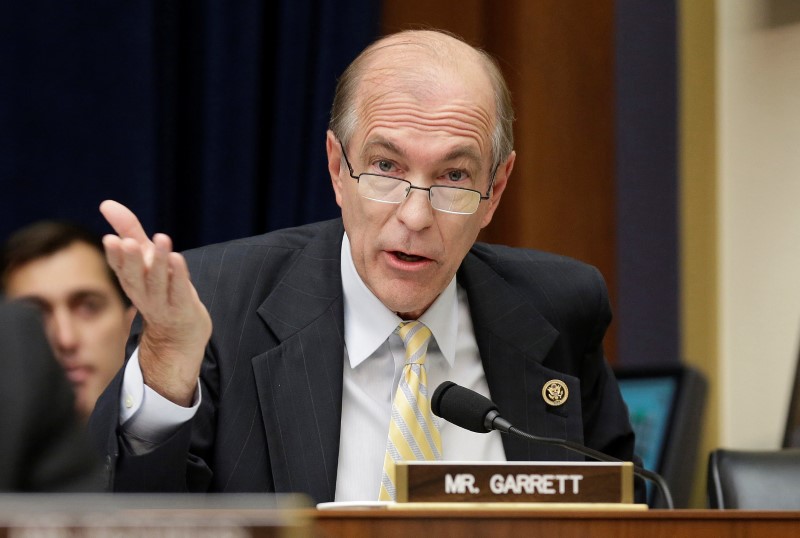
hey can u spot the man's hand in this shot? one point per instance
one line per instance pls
(177, 325)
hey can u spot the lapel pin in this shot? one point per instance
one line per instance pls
(555, 392)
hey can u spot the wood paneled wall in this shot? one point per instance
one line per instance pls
(558, 58)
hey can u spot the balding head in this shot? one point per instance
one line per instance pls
(423, 64)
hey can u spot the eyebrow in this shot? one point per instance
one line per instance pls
(33, 300)
(76, 296)
(461, 152)
(82, 295)
(464, 153)
(383, 143)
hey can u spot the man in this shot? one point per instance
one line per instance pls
(43, 446)
(296, 380)
(61, 268)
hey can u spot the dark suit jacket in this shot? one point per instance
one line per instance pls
(272, 376)
(43, 447)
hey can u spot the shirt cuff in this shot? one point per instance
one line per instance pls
(144, 413)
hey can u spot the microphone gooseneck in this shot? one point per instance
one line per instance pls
(475, 412)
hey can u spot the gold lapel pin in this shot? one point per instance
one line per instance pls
(555, 392)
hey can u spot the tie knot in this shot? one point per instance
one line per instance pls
(415, 336)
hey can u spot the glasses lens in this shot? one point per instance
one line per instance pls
(455, 200)
(382, 189)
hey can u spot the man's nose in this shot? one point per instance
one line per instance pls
(63, 332)
(415, 212)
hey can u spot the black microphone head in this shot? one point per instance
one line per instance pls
(462, 407)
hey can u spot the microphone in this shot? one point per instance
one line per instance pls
(475, 412)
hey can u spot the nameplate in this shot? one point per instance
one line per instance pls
(539, 482)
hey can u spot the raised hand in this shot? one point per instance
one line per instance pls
(177, 325)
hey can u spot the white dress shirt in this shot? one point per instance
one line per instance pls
(373, 361)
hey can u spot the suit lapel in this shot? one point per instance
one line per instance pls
(513, 340)
(300, 381)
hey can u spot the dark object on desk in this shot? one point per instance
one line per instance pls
(754, 480)
(666, 408)
(43, 447)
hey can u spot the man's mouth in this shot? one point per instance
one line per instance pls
(408, 257)
(78, 375)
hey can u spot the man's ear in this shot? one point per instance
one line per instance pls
(500, 183)
(334, 151)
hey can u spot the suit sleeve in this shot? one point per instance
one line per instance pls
(606, 422)
(179, 464)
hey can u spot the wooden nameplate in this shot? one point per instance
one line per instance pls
(539, 482)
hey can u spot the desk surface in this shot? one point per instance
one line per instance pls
(561, 523)
(251, 516)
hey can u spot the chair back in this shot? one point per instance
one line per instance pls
(754, 480)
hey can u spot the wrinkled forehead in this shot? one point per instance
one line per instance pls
(432, 73)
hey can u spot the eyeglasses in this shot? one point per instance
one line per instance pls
(393, 190)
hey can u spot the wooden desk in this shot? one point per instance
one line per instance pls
(262, 516)
(579, 524)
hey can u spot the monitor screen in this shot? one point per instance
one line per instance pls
(650, 401)
(666, 407)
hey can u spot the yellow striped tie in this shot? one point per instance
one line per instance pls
(413, 435)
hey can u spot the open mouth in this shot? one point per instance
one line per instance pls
(408, 257)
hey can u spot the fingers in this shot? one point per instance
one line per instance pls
(113, 245)
(157, 275)
(131, 271)
(123, 221)
(181, 290)
(141, 265)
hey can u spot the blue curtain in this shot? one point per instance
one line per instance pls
(647, 306)
(207, 117)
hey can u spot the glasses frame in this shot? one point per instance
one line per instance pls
(412, 186)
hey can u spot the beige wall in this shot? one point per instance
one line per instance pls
(758, 141)
(698, 214)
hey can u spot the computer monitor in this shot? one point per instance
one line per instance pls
(666, 406)
(650, 399)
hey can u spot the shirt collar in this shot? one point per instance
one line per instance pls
(368, 323)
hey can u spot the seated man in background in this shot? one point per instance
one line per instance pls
(61, 268)
(43, 446)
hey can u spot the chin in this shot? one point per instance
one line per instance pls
(408, 298)
(414, 310)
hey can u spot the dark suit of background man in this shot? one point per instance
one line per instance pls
(43, 445)
(297, 376)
